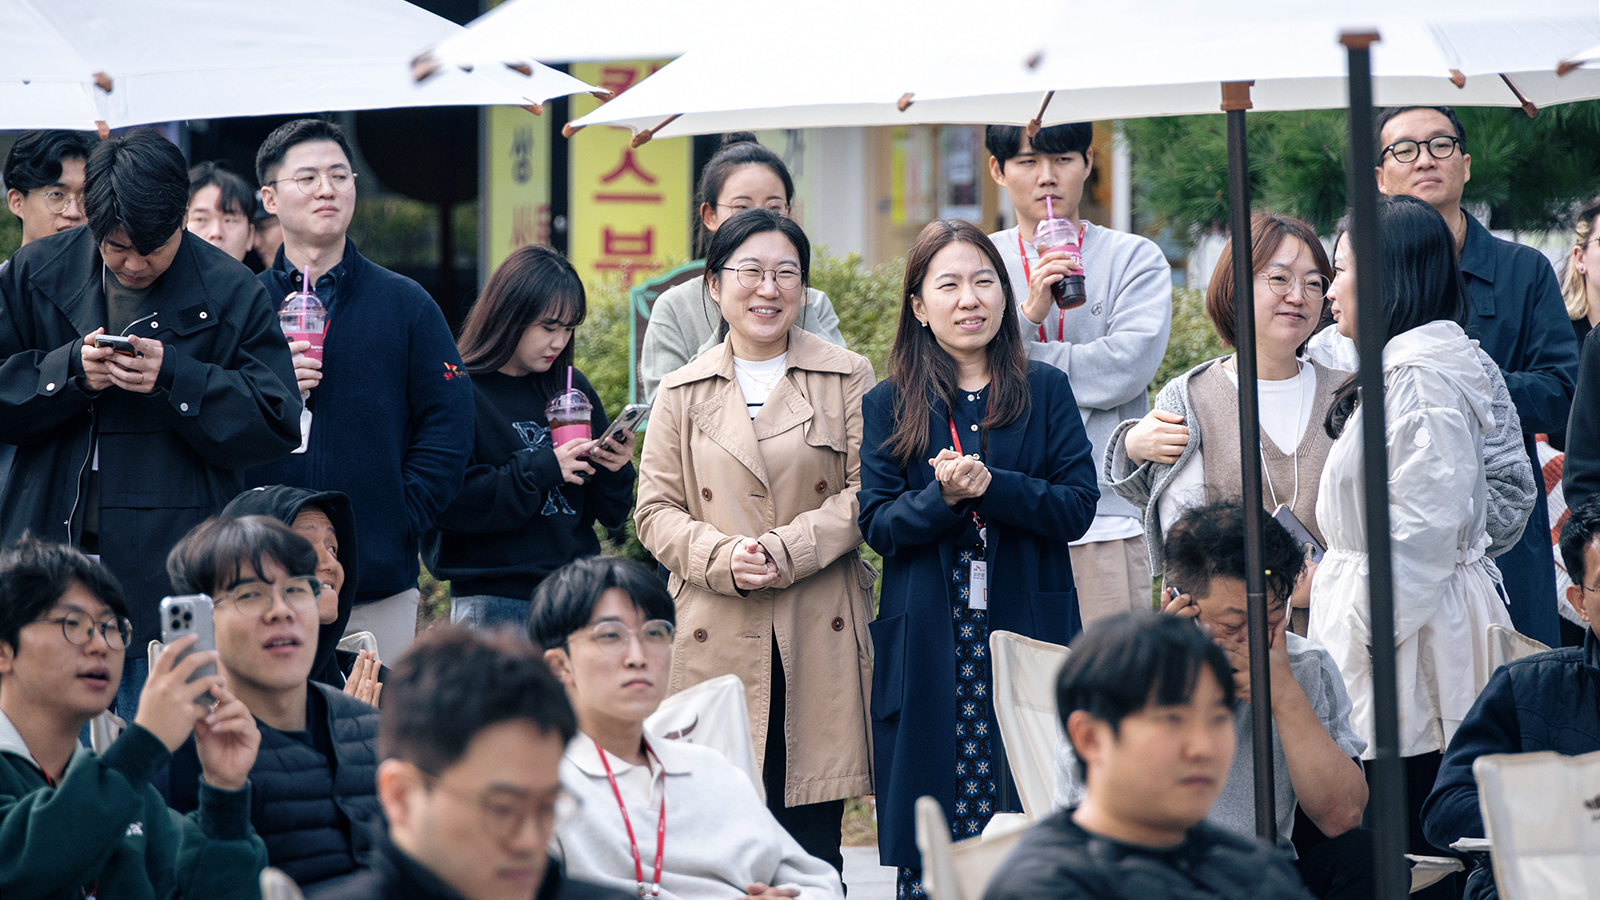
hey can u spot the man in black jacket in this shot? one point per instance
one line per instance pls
(1147, 701)
(314, 776)
(122, 451)
(472, 736)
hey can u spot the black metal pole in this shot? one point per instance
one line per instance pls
(1389, 777)
(1235, 100)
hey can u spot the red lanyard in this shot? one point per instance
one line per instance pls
(1027, 275)
(661, 824)
(983, 534)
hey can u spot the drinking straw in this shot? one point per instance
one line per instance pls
(569, 379)
(305, 282)
(1049, 210)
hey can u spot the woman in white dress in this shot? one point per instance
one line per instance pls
(1437, 409)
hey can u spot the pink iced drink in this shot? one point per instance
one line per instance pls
(304, 318)
(1062, 234)
(568, 414)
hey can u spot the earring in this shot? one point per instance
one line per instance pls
(924, 324)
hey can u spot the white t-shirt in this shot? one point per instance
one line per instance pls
(757, 379)
(1285, 413)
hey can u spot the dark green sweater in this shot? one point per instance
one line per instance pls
(104, 830)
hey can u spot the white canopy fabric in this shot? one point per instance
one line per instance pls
(1156, 58)
(552, 31)
(76, 63)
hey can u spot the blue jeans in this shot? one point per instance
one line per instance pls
(134, 673)
(486, 612)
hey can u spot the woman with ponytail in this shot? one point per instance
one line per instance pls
(684, 322)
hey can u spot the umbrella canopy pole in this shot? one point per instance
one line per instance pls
(1389, 779)
(1235, 100)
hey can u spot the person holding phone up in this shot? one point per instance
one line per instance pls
(530, 500)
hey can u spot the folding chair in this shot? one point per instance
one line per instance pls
(1505, 645)
(1025, 672)
(358, 641)
(712, 714)
(1541, 813)
(957, 870)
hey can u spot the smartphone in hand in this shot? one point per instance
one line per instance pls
(191, 614)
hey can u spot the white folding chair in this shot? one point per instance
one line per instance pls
(957, 870)
(1541, 813)
(712, 714)
(1025, 672)
(1506, 644)
(358, 641)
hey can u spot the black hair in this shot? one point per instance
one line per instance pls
(140, 184)
(236, 194)
(453, 683)
(35, 159)
(742, 227)
(1422, 281)
(566, 599)
(1005, 141)
(1391, 112)
(291, 134)
(33, 576)
(212, 557)
(1208, 541)
(1124, 663)
(1583, 524)
(533, 285)
(738, 149)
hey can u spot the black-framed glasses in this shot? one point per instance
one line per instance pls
(776, 206)
(338, 179)
(1312, 287)
(254, 598)
(1441, 147)
(614, 637)
(58, 201)
(79, 629)
(751, 277)
(506, 812)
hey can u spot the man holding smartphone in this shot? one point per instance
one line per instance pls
(122, 454)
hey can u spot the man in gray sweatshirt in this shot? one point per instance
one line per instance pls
(1110, 346)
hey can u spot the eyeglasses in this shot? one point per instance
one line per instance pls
(1441, 147)
(338, 179)
(1313, 287)
(776, 206)
(614, 637)
(58, 201)
(752, 276)
(506, 813)
(254, 598)
(79, 630)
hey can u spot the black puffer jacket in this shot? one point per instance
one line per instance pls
(316, 822)
(1060, 860)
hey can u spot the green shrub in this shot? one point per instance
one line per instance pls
(10, 234)
(867, 301)
(1193, 339)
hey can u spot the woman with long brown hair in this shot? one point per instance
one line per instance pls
(975, 475)
(529, 503)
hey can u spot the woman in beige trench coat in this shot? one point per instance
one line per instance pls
(747, 494)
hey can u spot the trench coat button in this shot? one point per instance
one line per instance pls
(51, 386)
(184, 407)
(838, 623)
(700, 635)
(822, 486)
(705, 494)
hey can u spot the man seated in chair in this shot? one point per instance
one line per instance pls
(1147, 702)
(314, 778)
(606, 624)
(1314, 750)
(1546, 701)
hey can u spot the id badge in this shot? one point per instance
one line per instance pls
(978, 585)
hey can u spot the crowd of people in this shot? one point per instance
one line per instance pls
(165, 436)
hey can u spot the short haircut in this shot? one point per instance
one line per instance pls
(1005, 141)
(34, 575)
(140, 184)
(1122, 664)
(1208, 541)
(214, 555)
(35, 159)
(236, 194)
(453, 683)
(566, 599)
(1583, 524)
(1391, 112)
(290, 134)
(1268, 231)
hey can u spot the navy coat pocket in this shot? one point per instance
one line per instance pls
(888, 666)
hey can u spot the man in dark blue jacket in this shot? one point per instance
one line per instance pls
(390, 408)
(1547, 701)
(1516, 314)
(314, 779)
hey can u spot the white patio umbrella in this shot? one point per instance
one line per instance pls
(86, 63)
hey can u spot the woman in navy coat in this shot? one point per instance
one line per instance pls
(975, 474)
